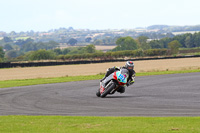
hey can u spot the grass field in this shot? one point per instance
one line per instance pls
(22, 38)
(97, 68)
(73, 124)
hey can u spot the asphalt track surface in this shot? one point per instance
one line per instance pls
(162, 95)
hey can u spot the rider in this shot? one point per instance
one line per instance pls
(129, 66)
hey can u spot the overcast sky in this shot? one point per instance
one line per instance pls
(43, 15)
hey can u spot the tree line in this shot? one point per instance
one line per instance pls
(185, 41)
(13, 49)
(174, 28)
(125, 46)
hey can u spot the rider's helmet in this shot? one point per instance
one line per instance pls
(129, 65)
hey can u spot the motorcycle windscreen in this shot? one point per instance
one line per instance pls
(121, 77)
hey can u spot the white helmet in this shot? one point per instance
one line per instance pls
(129, 65)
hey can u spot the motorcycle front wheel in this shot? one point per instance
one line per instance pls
(108, 90)
(98, 93)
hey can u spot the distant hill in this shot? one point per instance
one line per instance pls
(152, 27)
(168, 28)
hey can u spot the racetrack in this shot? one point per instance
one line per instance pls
(162, 95)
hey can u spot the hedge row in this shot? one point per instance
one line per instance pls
(117, 54)
(31, 64)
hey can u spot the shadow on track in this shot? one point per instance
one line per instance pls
(118, 97)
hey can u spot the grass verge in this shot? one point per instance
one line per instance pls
(79, 124)
(26, 82)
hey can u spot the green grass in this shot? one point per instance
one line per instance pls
(166, 72)
(189, 48)
(22, 38)
(27, 82)
(89, 124)
(194, 53)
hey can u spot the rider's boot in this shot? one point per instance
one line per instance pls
(106, 75)
(103, 78)
(121, 89)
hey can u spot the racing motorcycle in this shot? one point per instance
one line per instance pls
(113, 82)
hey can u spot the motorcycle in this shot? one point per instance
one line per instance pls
(112, 83)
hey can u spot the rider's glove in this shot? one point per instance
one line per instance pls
(117, 68)
(130, 83)
(127, 84)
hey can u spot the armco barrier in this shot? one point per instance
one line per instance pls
(35, 64)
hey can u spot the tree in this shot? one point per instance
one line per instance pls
(88, 39)
(98, 42)
(164, 42)
(188, 42)
(13, 33)
(142, 41)
(197, 39)
(63, 40)
(29, 40)
(28, 47)
(155, 44)
(8, 47)
(174, 46)
(1, 54)
(72, 41)
(126, 43)
(11, 54)
(42, 54)
(90, 49)
(52, 44)
(7, 39)
(65, 51)
(108, 41)
(170, 35)
(21, 42)
(58, 51)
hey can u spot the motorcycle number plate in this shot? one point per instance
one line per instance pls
(121, 77)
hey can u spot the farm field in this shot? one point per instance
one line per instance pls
(104, 48)
(98, 47)
(97, 68)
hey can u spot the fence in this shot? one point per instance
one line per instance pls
(35, 64)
